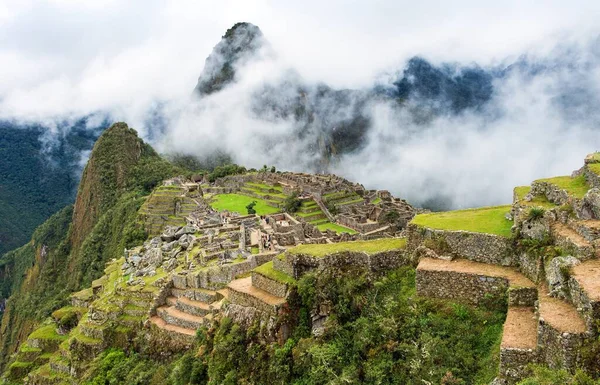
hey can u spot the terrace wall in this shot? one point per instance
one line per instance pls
(297, 265)
(479, 247)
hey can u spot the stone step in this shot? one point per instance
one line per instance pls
(584, 287)
(135, 311)
(519, 342)
(186, 305)
(561, 332)
(589, 229)
(472, 282)
(176, 317)
(204, 295)
(60, 364)
(162, 324)
(241, 292)
(90, 330)
(224, 293)
(271, 286)
(572, 242)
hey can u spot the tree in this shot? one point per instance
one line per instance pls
(250, 208)
(292, 203)
(273, 169)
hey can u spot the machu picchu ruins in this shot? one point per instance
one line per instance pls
(238, 246)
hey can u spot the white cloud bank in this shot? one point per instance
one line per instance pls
(67, 58)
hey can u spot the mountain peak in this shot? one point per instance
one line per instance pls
(238, 44)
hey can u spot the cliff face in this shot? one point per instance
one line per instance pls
(69, 250)
(114, 155)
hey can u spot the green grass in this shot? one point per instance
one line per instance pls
(369, 247)
(238, 203)
(537, 201)
(596, 156)
(47, 332)
(308, 203)
(522, 191)
(312, 213)
(263, 193)
(268, 271)
(576, 187)
(376, 200)
(335, 227)
(254, 250)
(264, 186)
(19, 364)
(78, 335)
(489, 220)
(594, 167)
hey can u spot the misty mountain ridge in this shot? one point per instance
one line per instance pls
(316, 127)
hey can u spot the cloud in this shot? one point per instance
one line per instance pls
(64, 59)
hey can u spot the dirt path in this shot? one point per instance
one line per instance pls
(560, 314)
(588, 276)
(244, 285)
(567, 232)
(520, 328)
(466, 266)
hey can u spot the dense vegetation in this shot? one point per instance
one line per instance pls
(379, 332)
(68, 251)
(39, 175)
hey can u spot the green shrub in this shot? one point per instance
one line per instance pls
(292, 204)
(536, 213)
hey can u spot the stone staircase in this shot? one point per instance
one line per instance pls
(261, 296)
(538, 328)
(194, 299)
(187, 309)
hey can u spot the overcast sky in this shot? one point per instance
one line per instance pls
(68, 58)
(74, 56)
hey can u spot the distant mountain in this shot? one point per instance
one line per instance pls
(239, 44)
(39, 174)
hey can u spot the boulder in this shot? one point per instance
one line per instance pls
(170, 265)
(168, 246)
(186, 240)
(591, 204)
(557, 275)
(169, 234)
(135, 260)
(535, 229)
(185, 230)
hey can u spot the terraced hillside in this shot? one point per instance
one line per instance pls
(543, 260)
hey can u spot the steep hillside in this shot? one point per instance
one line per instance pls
(39, 173)
(70, 249)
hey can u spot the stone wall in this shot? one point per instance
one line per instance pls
(590, 310)
(558, 350)
(355, 224)
(531, 266)
(552, 192)
(297, 265)
(513, 363)
(278, 289)
(479, 247)
(592, 178)
(464, 287)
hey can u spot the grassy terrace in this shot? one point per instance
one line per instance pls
(489, 220)
(268, 271)
(264, 186)
(47, 332)
(238, 203)
(335, 227)
(594, 167)
(369, 247)
(537, 201)
(576, 187)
